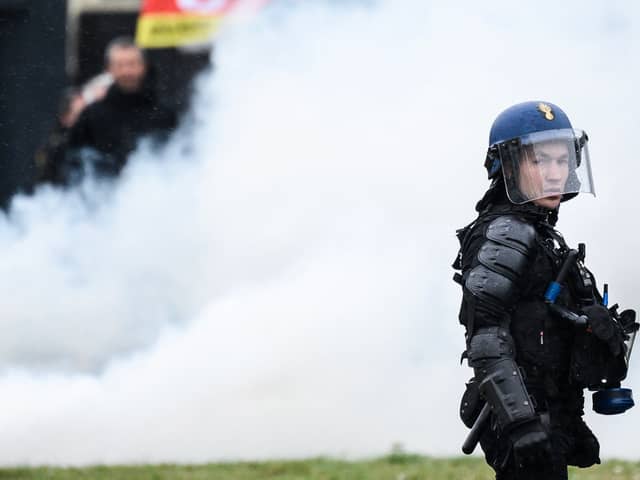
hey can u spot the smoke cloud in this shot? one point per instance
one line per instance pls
(277, 281)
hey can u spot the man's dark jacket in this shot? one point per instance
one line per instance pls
(50, 158)
(113, 126)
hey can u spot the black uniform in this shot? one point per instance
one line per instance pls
(112, 126)
(50, 158)
(530, 366)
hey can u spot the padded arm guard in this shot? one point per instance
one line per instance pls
(501, 260)
(491, 354)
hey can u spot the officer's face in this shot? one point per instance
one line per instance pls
(127, 67)
(544, 172)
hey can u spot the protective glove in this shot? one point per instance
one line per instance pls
(530, 443)
(627, 320)
(603, 327)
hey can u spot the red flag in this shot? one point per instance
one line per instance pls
(170, 23)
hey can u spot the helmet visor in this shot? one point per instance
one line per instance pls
(546, 164)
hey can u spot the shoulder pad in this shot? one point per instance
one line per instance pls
(503, 259)
(512, 232)
(489, 286)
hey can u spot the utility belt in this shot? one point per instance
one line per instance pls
(547, 398)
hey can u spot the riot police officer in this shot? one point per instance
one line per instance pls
(531, 364)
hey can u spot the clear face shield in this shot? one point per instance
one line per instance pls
(546, 164)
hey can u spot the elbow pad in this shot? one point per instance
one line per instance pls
(491, 354)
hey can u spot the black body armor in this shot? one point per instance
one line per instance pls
(526, 361)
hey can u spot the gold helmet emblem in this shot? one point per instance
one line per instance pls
(546, 109)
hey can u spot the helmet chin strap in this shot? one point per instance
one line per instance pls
(568, 196)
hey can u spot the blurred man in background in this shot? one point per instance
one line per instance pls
(109, 129)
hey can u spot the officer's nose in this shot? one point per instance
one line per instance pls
(554, 172)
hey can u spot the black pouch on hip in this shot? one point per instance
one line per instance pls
(471, 404)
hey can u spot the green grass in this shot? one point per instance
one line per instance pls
(395, 466)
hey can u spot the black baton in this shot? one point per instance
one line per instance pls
(473, 438)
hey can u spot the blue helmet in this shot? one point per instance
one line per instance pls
(539, 153)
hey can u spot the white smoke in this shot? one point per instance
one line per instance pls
(276, 283)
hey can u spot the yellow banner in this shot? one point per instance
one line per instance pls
(164, 30)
